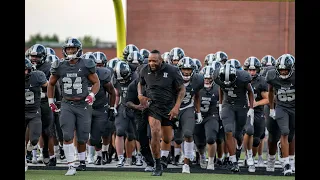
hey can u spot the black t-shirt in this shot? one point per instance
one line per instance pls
(161, 85)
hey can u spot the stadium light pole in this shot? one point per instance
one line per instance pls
(121, 28)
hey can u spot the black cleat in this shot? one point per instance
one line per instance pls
(105, 158)
(52, 162)
(29, 156)
(238, 153)
(176, 160)
(157, 171)
(219, 163)
(164, 162)
(134, 160)
(62, 156)
(82, 166)
(98, 160)
(235, 167)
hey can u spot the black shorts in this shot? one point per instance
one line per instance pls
(161, 115)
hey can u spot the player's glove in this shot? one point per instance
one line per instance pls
(199, 118)
(220, 108)
(251, 115)
(89, 98)
(112, 113)
(272, 114)
(53, 106)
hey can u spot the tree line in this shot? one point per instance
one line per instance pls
(87, 40)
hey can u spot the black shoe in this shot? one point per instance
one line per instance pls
(46, 157)
(287, 171)
(176, 160)
(197, 159)
(82, 166)
(225, 161)
(227, 164)
(238, 153)
(62, 156)
(164, 162)
(219, 162)
(157, 171)
(52, 162)
(170, 159)
(105, 157)
(235, 167)
(116, 156)
(29, 156)
(98, 160)
(134, 160)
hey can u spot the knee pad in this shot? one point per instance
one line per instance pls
(120, 132)
(187, 134)
(239, 137)
(256, 141)
(94, 142)
(81, 142)
(291, 136)
(210, 140)
(285, 131)
(178, 141)
(130, 136)
(34, 142)
(249, 130)
(200, 147)
(219, 141)
(228, 128)
(68, 136)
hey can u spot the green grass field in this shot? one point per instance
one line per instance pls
(109, 175)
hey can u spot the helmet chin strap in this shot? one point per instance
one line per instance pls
(208, 85)
(186, 78)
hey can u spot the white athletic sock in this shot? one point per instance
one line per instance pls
(164, 153)
(90, 150)
(56, 149)
(233, 158)
(188, 149)
(105, 148)
(69, 152)
(177, 151)
(249, 153)
(99, 153)
(82, 156)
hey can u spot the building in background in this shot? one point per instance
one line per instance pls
(239, 28)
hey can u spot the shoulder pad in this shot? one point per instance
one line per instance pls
(103, 73)
(197, 78)
(55, 64)
(89, 63)
(271, 74)
(39, 76)
(243, 76)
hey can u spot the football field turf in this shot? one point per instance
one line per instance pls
(121, 175)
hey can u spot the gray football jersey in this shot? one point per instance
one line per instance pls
(284, 88)
(32, 91)
(101, 99)
(209, 99)
(45, 67)
(123, 88)
(236, 95)
(195, 85)
(259, 85)
(265, 70)
(74, 77)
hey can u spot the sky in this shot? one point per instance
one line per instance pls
(71, 18)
